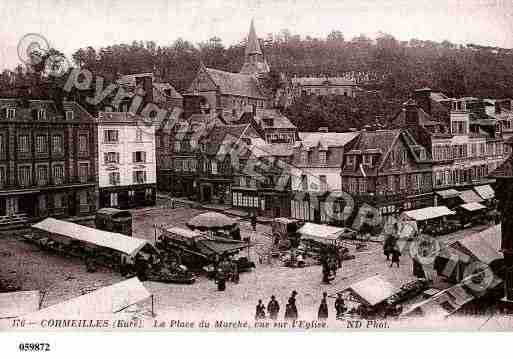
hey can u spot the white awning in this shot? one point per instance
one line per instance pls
(470, 196)
(448, 193)
(486, 191)
(373, 290)
(116, 241)
(426, 213)
(102, 302)
(320, 231)
(472, 206)
(15, 304)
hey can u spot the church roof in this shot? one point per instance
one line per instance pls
(235, 84)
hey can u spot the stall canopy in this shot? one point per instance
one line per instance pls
(426, 213)
(472, 206)
(470, 196)
(320, 232)
(15, 304)
(486, 191)
(448, 193)
(116, 241)
(373, 290)
(211, 221)
(103, 302)
(483, 246)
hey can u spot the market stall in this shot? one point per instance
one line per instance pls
(431, 220)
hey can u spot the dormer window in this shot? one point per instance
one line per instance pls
(422, 154)
(350, 161)
(70, 115)
(11, 113)
(268, 122)
(367, 160)
(41, 114)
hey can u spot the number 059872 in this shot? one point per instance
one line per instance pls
(34, 347)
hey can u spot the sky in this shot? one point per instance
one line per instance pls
(70, 24)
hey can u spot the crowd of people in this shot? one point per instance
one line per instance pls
(291, 311)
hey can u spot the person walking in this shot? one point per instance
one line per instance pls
(396, 253)
(273, 308)
(340, 306)
(291, 312)
(254, 221)
(260, 311)
(323, 308)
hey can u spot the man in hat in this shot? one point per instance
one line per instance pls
(323, 308)
(291, 312)
(340, 306)
(273, 308)
(260, 311)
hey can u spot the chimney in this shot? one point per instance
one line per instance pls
(423, 99)
(412, 113)
(497, 107)
(322, 129)
(146, 82)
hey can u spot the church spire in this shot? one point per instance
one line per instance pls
(253, 46)
(254, 62)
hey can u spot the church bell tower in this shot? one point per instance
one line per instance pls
(254, 62)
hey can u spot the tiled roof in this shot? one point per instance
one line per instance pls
(52, 111)
(236, 84)
(162, 86)
(279, 120)
(223, 135)
(326, 139)
(319, 81)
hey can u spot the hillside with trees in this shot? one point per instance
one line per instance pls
(393, 68)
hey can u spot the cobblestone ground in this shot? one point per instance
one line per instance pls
(66, 277)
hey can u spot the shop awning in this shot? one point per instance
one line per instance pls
(373, 290)
(426, 213)
(470, 196)
(472, 206)
(486, 191)
(448, 193)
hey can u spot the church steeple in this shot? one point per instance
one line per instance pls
(254, 62)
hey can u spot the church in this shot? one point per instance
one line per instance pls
(232, 94)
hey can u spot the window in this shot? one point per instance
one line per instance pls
(304, 157)
(242, 181)
(140, 176)
(139, 157)
(25, 175)
(2, 177)
(41, 144)
(324, 183)
(139, 135)
(59, 200)
(158, 140)
(391, 183)
(41, 114)
(23, 144)
(322, 157)
(214, 167)
(2, 144)
(304, 183)
(350, 161)
(11, 113)
(57, 142)
(110, 135)
(42, 175)
(177, 146)
(83, 172)
(114, 178)
(367, 160)
(114, 199)
(83, 144)
(402, 182)
(111, 157)
(70, 115)
(58, 174)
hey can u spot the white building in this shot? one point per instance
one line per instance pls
(126, 160)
